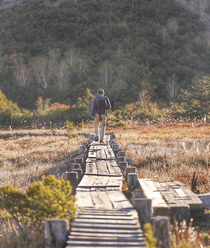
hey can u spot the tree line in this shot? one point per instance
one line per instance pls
(127, 47)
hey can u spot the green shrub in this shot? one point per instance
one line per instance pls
(151, 241)
(49, 198)
(117, 119)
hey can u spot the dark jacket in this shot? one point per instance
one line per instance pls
(93, 109)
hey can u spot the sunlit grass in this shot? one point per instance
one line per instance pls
(171, 152)
(25, 159)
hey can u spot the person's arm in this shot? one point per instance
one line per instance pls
(108, 104)
(92, 109)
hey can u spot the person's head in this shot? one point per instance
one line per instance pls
(100, 92)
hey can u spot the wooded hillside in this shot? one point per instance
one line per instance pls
(123, 46)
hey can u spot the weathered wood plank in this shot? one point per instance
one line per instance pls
(91, 168)
(119, 201)
(110, 238)
(104, 246)
(104, 212)
(104, 226)
(101, 200)
(151, 192)
(115, 181)
(105, 222)
(112, 234)
(84, 200)
(102, 167)
(109, 153)
(111, 217)
(102, 231)
(100, 154)
(87, 181)
(100, 181)
(109, 243)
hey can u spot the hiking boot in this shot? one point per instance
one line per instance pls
(96, 138)
(101, 141)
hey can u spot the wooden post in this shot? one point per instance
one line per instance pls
(132, 180)
(144, 209)
(85, 144)
(79, 173)
(56, 233)
(82, 149)
(72, 176)
(80, 160)
(161, 230)
(121, 159)
(123, 165)
(130, 170)
(137, 193)
(75, 166)
(121, 154)
(129, 161)
(112, 136)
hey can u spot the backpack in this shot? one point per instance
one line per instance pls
(101, 105)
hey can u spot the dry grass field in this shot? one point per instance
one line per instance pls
(164, 152)
(169, 152)
(26, 159)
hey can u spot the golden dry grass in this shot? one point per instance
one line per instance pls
(171, 152)
(25, 159)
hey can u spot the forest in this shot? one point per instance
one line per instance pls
(141, 52)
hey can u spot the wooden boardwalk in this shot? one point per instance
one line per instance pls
(105, 217)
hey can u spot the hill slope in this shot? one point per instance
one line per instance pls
(58, 49)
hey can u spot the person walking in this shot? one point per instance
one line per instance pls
(99, 112)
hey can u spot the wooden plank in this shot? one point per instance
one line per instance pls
(92, 216)
(100, 154)
(105, 222)
(102, 231)
(90, 160)
(102, 167)
(115, 181)
(101, 181)
(92, 154)
(112, 166)
(101, 200)
(119, 201)
(112, 238)
(151, 192)
(174, 195)
(112, 234)
(192, 197)
(104, 226)
(87, 181)
(104, 212)
(107, 243)
(91, 168)
(84, 199)
(109, 153)
(104, 246)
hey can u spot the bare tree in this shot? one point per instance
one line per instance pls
(106, 72)
(80, 67)
(61, 74)
(172, 88)
(40, 71)
(71, 56)
(22, 75)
